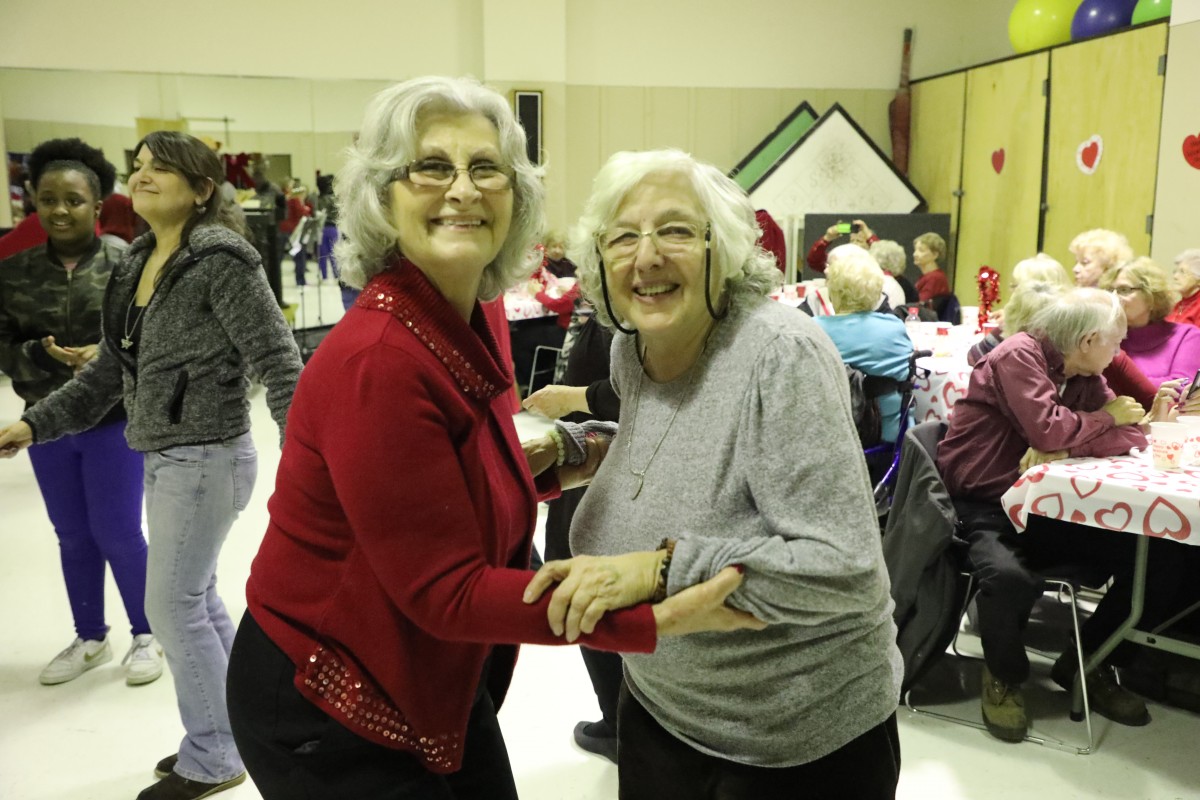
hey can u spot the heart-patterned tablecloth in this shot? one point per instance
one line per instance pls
(1124, 493)
(936, 392)
(519, 306)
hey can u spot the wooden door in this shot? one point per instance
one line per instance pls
(935, 155)
(1003, 146)
(1105, 109)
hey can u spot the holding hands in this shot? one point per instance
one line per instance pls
(74, 357)
(590, 586)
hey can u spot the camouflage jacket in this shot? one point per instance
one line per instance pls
(39, 297)
(211, 320)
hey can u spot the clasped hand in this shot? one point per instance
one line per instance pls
(589, 586)
(74, 357)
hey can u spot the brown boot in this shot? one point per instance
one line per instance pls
(1105, 696)
(1003, 709)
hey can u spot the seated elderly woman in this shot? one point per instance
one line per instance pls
(869, 341)
(928, 251)
(389, 590)
(734, 414)
(890, 257)
(1122, 375)
(1096, 252)
(1164, 351)
(1038, 397)
(1186, 280)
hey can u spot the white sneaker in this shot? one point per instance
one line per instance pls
(77, 659)
(144, 661)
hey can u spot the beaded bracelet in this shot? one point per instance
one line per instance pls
(660, 590)
(556, 437)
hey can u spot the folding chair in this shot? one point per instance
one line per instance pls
(533, 368)
(929, 641)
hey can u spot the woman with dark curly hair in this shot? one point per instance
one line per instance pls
(50, 307)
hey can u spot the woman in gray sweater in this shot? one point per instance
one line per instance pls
(187, 313)
(736, 447)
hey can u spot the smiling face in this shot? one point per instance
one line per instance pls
(658, 288)
(452, 232)
(67, 209)
(161, 195)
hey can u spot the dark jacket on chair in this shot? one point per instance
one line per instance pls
(918, 548)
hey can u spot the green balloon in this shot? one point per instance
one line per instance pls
(1147, 10)
(1034, 24)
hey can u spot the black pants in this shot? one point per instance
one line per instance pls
(1009, 569)
(294, 751)
(654, 765)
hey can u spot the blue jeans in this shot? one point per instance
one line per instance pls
(193, 495)
(92, 485)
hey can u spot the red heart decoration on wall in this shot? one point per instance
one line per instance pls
(1191, 151)
(998, 159)
(1089, 155)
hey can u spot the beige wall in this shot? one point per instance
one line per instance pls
(1177, 196)
(710, 76)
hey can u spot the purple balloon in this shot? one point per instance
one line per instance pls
(1094, 17)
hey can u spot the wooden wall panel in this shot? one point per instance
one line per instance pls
(999, 215)
(936, 146)
(1108, 87)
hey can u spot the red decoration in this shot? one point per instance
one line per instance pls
(998, 160)
(1191, 151)
(989, 293)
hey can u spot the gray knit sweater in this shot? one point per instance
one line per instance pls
(212, 317)
(761, 467)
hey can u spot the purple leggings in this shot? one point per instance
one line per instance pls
(92, 485)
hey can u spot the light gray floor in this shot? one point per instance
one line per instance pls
(97, 738)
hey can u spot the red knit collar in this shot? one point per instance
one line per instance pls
(469, 353)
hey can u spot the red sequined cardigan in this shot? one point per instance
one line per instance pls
(401, 526)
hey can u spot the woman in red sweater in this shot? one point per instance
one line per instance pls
(388, 595)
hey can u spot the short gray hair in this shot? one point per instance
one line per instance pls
(1026, 301)
(746, 269)
(890, 256)
(388, 140)
(1041, 268)
(854, 279)
(1190, 259)
(1076, 314)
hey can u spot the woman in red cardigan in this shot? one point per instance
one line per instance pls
(388, 595)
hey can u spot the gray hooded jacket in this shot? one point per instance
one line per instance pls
(211, 318)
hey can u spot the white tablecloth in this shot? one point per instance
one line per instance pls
(940, 383)
(1124, 493)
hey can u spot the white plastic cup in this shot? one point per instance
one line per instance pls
(1168, 442)
(1192, 447)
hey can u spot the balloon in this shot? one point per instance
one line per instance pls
(1147, 10)
(1034, 24)
(1094, 17)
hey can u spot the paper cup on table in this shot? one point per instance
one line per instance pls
(1191, 449)
(1168, 442)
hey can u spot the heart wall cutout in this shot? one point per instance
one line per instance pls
(1087, 155)
(1191, 151)
(998, 159)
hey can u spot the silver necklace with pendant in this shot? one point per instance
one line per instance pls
(640, 474)
(127, 339)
